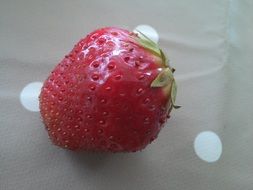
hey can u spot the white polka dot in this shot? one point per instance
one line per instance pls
(29, 96)
(148, 31)
(208, 146)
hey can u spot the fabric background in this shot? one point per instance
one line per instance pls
(210, 45)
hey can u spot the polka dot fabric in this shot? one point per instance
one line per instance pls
(29, 96)
(206, 144)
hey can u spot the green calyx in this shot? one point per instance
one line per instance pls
(165, 78)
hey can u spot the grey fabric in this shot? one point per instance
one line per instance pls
(210, 45)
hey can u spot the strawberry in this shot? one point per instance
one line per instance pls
(113, 92)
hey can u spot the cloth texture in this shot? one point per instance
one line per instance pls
(208, 42)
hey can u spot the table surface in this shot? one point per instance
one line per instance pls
(207, 144)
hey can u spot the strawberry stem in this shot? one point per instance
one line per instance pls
(165, 77)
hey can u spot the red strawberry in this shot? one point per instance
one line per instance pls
(112, 92)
